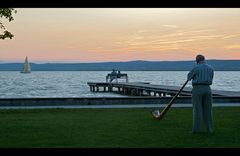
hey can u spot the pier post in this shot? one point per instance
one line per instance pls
(155, 94)
(171, 94)
(137, 92)
(128, 91)
(110, 88)
(132, 92)
(124, 91)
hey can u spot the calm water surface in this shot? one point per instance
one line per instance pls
(13, 84)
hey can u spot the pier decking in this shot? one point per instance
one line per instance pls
(146, 89)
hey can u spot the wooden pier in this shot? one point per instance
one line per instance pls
(146, 89)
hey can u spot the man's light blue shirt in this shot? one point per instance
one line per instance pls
(201, 74)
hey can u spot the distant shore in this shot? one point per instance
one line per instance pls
(218, 65)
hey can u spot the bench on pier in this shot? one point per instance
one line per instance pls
(116, 76)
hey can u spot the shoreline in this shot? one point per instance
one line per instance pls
(183, 105)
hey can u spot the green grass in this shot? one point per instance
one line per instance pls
(114, 128)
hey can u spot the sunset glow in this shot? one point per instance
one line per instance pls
(122, 34)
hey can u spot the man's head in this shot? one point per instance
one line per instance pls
(200, 58)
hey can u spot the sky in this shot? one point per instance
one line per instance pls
(121, 34)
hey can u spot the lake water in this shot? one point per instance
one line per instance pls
(13, 84)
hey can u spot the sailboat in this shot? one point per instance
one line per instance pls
(26, 66)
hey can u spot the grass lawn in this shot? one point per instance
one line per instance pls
(97, 128)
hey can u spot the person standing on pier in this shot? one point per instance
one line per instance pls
(202, 77)
(113, 75)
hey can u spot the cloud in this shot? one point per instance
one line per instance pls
(70, 47)
(176, 39)
(235, 46)
(200, 30)
(230, 36)
(170, 26)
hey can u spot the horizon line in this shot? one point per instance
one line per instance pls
(46, 62)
